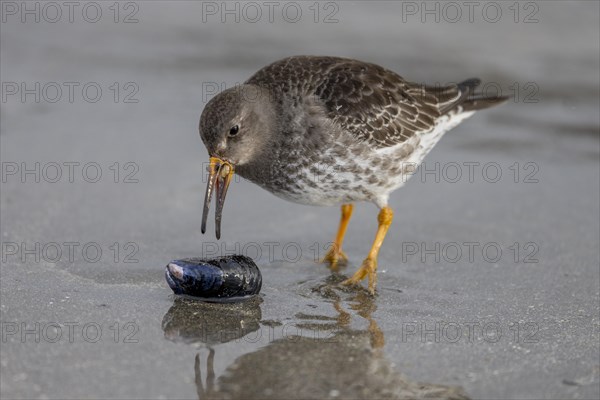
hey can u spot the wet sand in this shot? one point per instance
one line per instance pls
(488, 283)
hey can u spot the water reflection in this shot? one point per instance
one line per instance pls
(196, 322)
(340, 361)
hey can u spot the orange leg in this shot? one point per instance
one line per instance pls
(369, 265)
(335, 254)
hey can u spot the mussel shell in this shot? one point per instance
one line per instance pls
(228, 278)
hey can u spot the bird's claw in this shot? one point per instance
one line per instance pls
(367, 269)
(334, 257)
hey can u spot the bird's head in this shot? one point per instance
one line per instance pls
(236, 126)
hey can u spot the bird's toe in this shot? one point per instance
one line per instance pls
(335, 257)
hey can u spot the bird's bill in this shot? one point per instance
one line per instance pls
(219, 178)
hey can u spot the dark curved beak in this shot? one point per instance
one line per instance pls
(219, 178)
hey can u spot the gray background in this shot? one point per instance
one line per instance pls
(535, 325)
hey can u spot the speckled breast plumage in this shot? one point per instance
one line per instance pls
(351, 131)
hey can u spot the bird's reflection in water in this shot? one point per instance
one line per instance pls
(344, 363)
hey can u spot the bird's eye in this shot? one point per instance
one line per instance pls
(234, 130)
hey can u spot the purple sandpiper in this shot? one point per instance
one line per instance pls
(330, 131)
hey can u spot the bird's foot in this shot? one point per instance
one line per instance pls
(368, 268)
(335, 257)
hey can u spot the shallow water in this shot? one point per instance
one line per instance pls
(488, 282)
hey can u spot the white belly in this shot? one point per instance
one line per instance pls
(334, 185)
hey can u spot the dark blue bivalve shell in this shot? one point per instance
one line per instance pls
(228, 278)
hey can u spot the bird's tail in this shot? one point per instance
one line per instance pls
(466, 98)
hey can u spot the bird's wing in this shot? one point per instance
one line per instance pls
(368, 101)
(378, 106)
